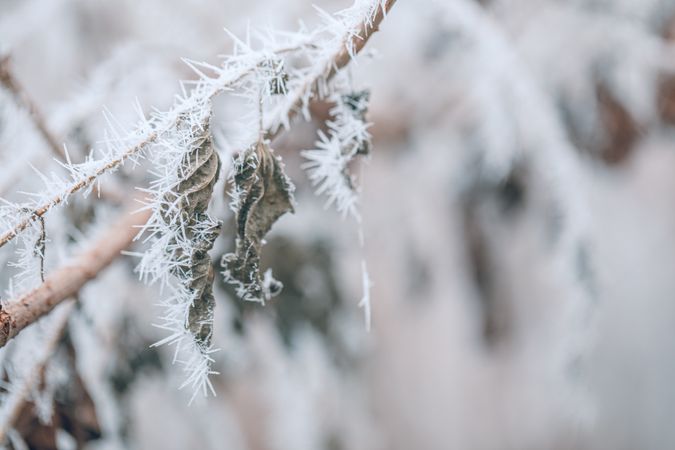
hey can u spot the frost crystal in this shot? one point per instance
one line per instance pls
(282, 77)
(328, 164)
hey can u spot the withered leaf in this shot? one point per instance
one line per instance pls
(198, 174)
(262, 194)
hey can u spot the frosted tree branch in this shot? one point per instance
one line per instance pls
(366, 16)
(66, 281)
(177, 143)
(351, 44)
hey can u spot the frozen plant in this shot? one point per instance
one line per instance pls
(278, 80)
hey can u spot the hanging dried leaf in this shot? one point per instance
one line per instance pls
(186, 207)
(262, 193)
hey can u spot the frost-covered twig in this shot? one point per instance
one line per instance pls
(179, 228)
(369, 15)
(83, 183)
(65, 282)
(364, 19)
(262, 192)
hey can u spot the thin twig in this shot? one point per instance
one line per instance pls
(35, 214)
(325, 71)
(41, 248)
(67, 281)
(330, 67)
(21, 97)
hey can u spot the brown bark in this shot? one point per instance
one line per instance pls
(343, 58)
(67, 281)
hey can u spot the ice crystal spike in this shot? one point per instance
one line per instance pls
(328, 164)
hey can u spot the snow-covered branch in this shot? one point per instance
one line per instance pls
(348, 33)
(181, 231)
(65, 282)
(289, 71)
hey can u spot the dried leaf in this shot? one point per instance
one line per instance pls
(262, 193)
(198, 174)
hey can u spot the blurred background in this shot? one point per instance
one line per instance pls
(518, 215)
